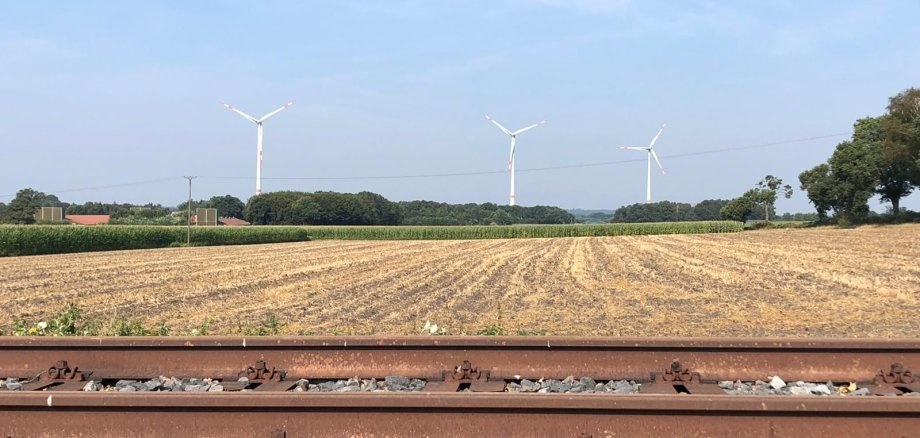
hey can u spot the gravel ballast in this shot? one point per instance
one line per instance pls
(570, 385)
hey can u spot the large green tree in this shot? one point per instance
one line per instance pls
(902, 130)
(882, 157)
(766, 191)
(899, 164)
(855, 168)
(739, 209)
(227, 206)
(270, 208)
(23, 207)
(818, 185)
(709, 209)
(760, 199)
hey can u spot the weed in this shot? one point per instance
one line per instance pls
(492, 330)
(124, 327)
(202, 330)
(269, 327)
(65, 323)
(525, 332)
(162, 329)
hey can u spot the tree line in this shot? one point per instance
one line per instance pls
(440, 213)
(667, 211)
(296, 208)
(366, 208)
(882, 158)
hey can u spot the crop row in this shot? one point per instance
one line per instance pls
(516, 231)
(18, 240)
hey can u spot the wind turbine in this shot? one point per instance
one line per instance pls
(258, 123)
(651, 154)
(513, 136)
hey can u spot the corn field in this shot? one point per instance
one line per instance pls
(516, 231)
(18, 240)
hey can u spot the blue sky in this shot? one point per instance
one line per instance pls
(98, 94)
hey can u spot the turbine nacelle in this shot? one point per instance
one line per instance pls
(513, 135)
(258, 123)
(651, 154)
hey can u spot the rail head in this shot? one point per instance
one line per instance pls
(462, 342)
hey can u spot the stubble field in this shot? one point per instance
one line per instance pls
(812, 282)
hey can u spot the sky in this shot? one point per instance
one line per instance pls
(116, 101)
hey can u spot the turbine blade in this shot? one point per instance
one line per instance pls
(657, 135)
(266, 117)
(630, 148)
(655, 156)
(529, 127)
(511, 157)
(247, 116)
(505, 130)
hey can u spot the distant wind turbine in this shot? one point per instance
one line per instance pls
(258, 123)
(513, 136)
(651, 154)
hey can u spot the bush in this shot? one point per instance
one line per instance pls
(18, 240)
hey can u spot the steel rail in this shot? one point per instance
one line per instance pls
(63, 411)
(427, 357)
(451, 415)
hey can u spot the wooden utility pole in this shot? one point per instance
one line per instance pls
(188, 234)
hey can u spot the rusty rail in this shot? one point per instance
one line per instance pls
(54, 407)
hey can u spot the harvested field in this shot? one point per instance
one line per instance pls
(808, 282)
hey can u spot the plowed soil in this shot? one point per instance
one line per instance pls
(811, 282)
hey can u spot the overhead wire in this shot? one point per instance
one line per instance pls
(452, 174)
(108, 186)
(532, 169)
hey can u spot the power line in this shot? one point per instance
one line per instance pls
(110, 186)
(534, 169)
(455, 174)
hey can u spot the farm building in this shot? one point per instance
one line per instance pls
(232, 222)
(228, 221)
(87, 219)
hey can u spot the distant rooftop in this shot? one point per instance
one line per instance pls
(88, 219)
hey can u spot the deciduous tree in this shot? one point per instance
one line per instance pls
(819, 187)
(227, 206)
(765, 193)
(23, 207)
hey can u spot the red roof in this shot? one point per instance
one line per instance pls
(232, 221)
(88, 219)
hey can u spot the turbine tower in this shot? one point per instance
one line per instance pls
(651, 154)
(513, 136)
(258, 123)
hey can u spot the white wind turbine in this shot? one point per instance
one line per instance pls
(258, 123)
(651, 154)
(513, 136)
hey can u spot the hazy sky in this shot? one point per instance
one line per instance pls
(97, 94)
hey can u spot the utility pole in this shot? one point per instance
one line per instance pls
(188, 234)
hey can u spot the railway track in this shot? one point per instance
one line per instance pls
(457, 386)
